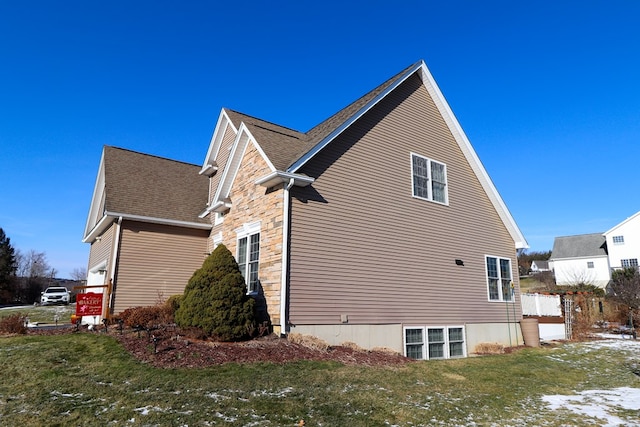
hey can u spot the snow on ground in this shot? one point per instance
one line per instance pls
(602, 404)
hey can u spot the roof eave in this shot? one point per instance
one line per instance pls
(280, 177)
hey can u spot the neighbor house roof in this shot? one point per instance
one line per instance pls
(582, 245)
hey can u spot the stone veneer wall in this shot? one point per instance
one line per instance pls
(251, 203)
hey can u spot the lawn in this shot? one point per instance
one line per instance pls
(87, 378)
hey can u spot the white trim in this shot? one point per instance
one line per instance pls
(98, 229)
(621, 224)
(98, 192)
(323, 143)
(162, 221)
(248, 228)
(278, 177)
(430, 178)
(286, 202)
(216, 140)
(500, 279)
(446, 344)
(217, 239)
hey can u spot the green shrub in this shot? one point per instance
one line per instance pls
(173, 303)
(215, 299)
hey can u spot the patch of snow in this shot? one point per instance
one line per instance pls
(598, 403)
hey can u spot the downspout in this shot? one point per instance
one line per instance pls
(285, 256)
(114, 261)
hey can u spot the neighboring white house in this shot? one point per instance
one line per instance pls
(623, 243)
(580, 259)
(538, 266)
(590, 258)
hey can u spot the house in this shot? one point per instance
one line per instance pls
(143, 225)
(378, 226)
(580, 259)
(623, 243)
(538, 266)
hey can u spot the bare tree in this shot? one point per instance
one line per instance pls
(625, 289)
(35, 273)
(79, 274)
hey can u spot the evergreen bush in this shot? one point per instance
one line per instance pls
(215, 299)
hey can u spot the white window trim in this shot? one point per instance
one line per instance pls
(631, 262)
(247, 230)
(618, 240)
(430, 186)
(217, 239)
(219, 218)
(425, 341)
(486, 275)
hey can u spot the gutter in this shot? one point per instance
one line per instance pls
(285, 256)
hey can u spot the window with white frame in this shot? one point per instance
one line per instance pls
(429, 179)
(219, 218)
(248, 254)
(499, 279)
(633, 262)
(618, 240)
(589, 264)
(442, 342)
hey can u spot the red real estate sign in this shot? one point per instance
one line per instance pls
(89, 304)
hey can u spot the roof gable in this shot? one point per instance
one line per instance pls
(623, 223)
(288, 150)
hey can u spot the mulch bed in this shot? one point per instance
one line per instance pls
(171, 350)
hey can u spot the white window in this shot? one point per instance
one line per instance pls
(429, 179)
(499, 279)
(248, 254)
(633, 262)
(442, 342)
(589, 264)
(618, 240)
(217, 239)
(219, 218)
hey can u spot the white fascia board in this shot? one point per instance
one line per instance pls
(216, 139)
(472, 158)
(307, 156)
(98, 191)
(585, 257)
(98, 229)
(277, 177)
(162, 221)
(243, 138)
(621, 224)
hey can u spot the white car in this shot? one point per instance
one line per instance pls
(55, 295)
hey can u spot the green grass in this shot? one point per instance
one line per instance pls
(43, 314)
(88, 379)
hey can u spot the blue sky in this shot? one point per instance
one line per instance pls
(547, 92)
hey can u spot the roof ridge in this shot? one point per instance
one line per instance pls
(262, 120)
(150, 155)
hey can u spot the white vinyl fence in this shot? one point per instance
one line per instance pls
(541, 305)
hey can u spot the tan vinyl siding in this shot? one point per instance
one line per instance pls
(361, 245)
(102, 249)
(155, 261)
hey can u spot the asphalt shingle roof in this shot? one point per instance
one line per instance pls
(151, 186)
(583, 245)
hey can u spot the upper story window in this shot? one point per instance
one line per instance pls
(626, 263)
(618, 240)
(499, 279)
(429, 179)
